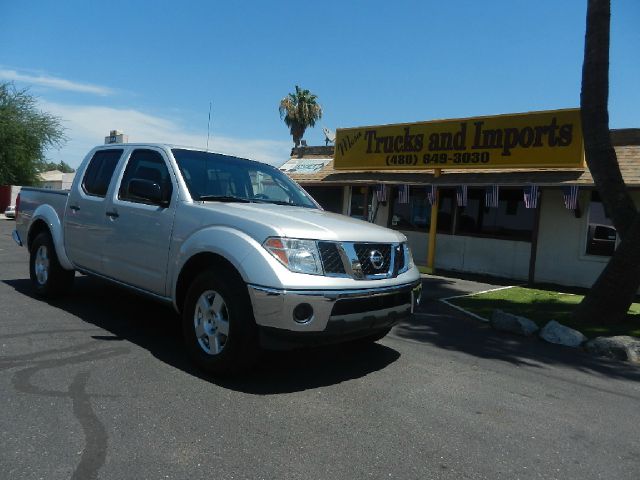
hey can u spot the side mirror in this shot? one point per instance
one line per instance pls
(147, 191)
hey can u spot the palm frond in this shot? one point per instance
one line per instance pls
(299, 111)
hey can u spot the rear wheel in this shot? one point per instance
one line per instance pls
(47, 275)
(217, 322)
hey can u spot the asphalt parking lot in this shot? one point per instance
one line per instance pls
(97, 385)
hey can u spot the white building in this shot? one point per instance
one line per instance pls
(550, 243)
(57, 180)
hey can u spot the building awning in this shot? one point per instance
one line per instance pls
(305, 166)
(628, 159)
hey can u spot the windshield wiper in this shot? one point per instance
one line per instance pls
(224, 198)
(282, 202)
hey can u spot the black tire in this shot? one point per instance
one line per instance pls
(238, 350)
(48, 277)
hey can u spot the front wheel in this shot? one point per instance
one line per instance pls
(217, 323)
(47, 275)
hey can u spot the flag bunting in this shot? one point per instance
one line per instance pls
(403, 194)
(491, 196)
(381, 192)
(570, 194)
(461, 195)
(432, 192)
(531, 195)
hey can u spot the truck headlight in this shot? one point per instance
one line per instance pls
(297, 255)
(408, 258)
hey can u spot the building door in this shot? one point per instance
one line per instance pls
(361, 202)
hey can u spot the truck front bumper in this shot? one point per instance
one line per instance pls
(291, 317)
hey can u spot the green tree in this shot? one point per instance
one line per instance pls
(299, 111)
(25, 134)
(613, 292)
(62, 167)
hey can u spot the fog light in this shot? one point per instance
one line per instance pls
(303, 313)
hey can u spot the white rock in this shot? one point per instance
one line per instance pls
(512, 323)
(554, 332)
(621, 347)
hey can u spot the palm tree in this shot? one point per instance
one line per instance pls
(613, 292)
(299, 111)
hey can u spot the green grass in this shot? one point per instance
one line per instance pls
(542, 306)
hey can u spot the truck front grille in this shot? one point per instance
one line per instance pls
(331, 260)
(367, 252)
(362, 261)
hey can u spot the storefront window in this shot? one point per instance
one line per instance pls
(510, 220)
(416, 215)
(413, 215)
(446, 210)
(329, 198)
(601, 234)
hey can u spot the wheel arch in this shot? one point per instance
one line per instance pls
(198, 263)
(37, 227)
(45, 219)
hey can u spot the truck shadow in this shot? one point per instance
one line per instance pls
(156, 328)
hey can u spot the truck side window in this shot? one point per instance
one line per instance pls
(146, 165)
(99, 172)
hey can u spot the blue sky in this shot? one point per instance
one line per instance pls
(151, 68)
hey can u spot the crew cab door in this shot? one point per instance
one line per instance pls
(84, 218)
(140, 215)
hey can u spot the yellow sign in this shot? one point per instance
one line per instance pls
(551, 139)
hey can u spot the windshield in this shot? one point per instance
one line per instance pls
(212, 176)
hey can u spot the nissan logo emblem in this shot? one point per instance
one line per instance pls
(376, 259)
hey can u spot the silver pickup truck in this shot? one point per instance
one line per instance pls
(244, 254)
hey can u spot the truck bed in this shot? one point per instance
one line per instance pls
(31, 198)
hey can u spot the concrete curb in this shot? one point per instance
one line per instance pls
(582, 347)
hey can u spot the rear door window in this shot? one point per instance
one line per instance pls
(98, 175)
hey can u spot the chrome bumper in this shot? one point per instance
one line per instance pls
(16, 237)
(274, 308)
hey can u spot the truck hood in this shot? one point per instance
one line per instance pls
(262, 220)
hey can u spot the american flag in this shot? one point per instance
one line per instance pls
(491, 196)
(403, 194)
(461, 195)
(432, 192)
(381, 192)
(570, 194)
(531, 196)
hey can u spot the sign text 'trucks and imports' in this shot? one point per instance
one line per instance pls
(551, 139)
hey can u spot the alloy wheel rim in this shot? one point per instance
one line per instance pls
(211, 322)
(42, 264)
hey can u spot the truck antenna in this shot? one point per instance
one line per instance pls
(209, 124)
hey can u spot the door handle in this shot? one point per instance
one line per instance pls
(113, 214)
(75, 208)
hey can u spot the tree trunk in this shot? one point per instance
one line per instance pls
(615, 289)
(613, 292)
(297, 132)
